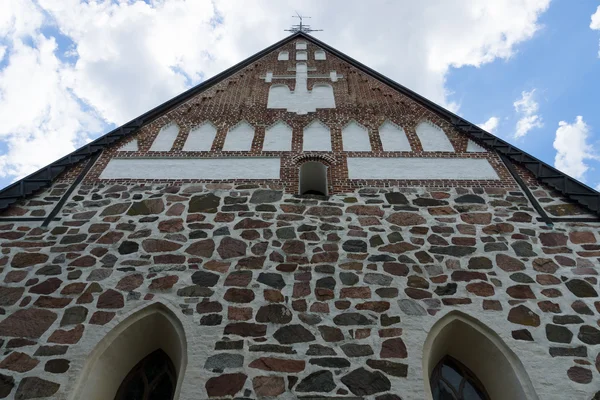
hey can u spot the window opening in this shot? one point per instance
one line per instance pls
(313, 178)
(153, 378)
(451, 380)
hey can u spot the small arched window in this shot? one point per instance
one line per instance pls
(451, 380)
(313, 178)
(153, 378)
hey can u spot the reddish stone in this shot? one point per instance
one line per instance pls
(369, 221)
(520, 292)
(522, 315)
(467, 276)
(225, 385)
(101, 317)
(163, 283)
(208, 307)
(365, 210)
(492, 305)
(250, 234)
(268, 386)
(85, 261)
(15, 276)
(325, 211)
(110, 299)
(582, 237)
(98, 228)
(363, 292)
(278, 364)
(398, 248)
(442, 210)
(48, 286)
(393, 348)
(171, 225)
(481, 289)
(224, 217)
(238, 278)
(293, 247)
(245, 329)
(64, 336)
(130, 282)
(551, 293)
(230, 248)
(464, 241)
(325, 257)
(52, 302)
(22, 260)
(115, 209)
(376, 306)
(476, 218)
(520, 217)
(235, 295)
(553, 239)
(456, 301)
(159, 246)
(417, 294)
(580, 375)
(394, 268)
(175, 210)
(217, 266)
(301, 289)
(547, 280)
(10, 295)
(292, 209)
(273, 296)
(169, 259)
(111, 237)
(405, 219)
(546, 265)
(548, 306)
(249, 223)
(498, 229)
(19, 362)
(239, 313)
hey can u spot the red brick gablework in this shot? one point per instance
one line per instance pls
(358, 97)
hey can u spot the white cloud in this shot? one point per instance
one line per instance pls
(129, 56)
(527, 108)
(595, 23)
(572, 149)
(490, 125)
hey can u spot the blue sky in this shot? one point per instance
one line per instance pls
(71, 70)
(561, 63)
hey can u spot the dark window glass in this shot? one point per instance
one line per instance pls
(153, 378)
(450, 380)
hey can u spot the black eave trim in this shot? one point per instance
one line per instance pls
(569, 187)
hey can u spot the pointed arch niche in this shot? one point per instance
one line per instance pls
(432, 137)
(482, 351)
(127, 345)
(166, 137)
(278, 137)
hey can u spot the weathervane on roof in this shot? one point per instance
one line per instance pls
(301, 27)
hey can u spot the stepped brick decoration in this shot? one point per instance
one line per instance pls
(254, 290)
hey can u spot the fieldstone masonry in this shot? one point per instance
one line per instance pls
(299, 296)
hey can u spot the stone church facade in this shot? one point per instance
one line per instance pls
(299, 227)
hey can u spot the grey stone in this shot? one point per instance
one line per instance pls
(74, 315)
(589, 335)
(206, 279)
(469, 198)
(195, 291)
(7, 383)
(330, 362)
(455, 251)
(558, 334)
(355, 246)
(396, 198)
(286, 233)
(128, 247)
(223, 231)
(206, 203)
(265, 196)
(320, 350)
(223, 361)
(364, 383)
(33, 387)
(271, 279)
(357, 350)
(274, 313)
(523, 249)
(348, 278)
(521, 278)
(351, 318)
(445, 290)
(377, 279)
(320, 381)
(293, 334)
(99, 274)
(411, 307)
(581, 288)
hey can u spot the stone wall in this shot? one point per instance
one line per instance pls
(287, 296)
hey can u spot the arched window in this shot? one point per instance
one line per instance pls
(313, 178)
(129, 363)
(460, 350)
(451, 380)
(153, 378)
